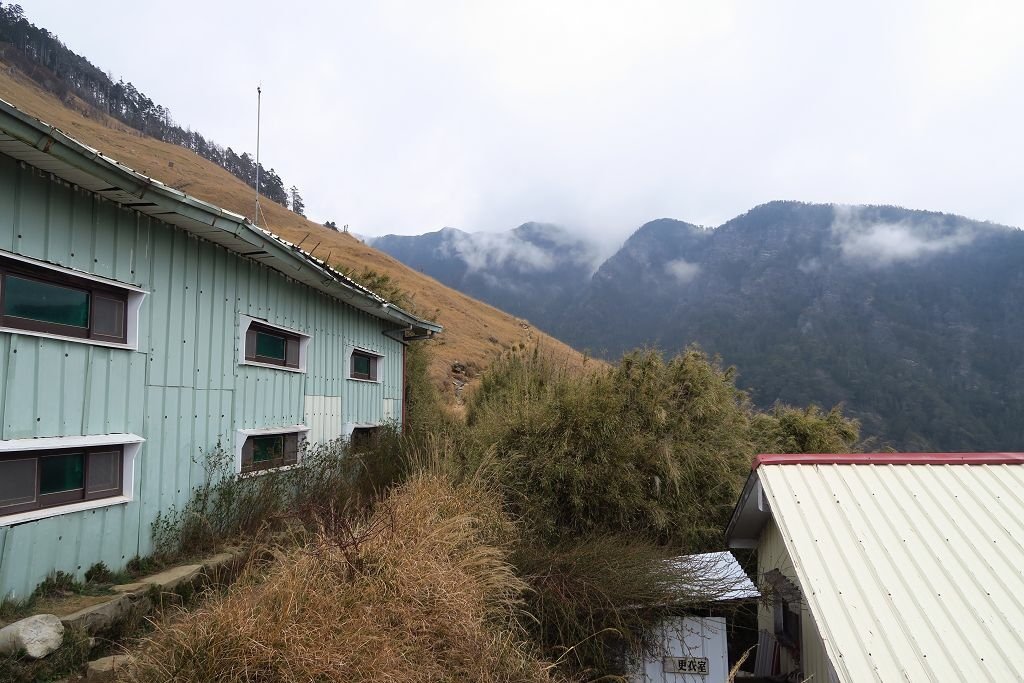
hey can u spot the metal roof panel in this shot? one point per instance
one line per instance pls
(911, 571)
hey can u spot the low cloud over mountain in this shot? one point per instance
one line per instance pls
(912, 318)
(886, 243)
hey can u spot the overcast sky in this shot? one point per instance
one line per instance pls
(409, 116)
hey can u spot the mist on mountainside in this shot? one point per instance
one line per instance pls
(911, 318)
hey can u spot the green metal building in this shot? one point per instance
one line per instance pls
(140, 326)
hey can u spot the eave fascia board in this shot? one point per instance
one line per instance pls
(752, 495)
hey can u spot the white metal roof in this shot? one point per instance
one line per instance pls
(715, 577)
(912, 567)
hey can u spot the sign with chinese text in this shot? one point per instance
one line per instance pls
(686, 665)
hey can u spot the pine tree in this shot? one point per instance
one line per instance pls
(298, 206)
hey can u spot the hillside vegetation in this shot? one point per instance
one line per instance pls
(419, 590)
(538, 529)
(475, 332)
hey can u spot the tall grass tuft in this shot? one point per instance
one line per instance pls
(334, 478)
(419, 590)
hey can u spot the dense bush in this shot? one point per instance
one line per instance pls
(615, 472)
(650, 446)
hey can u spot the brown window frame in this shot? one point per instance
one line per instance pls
(290, 338)
(291, 449)
(50, 277)
(374, 359)
(44, 501)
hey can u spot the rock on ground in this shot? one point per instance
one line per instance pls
(38, 636)
(104, 669)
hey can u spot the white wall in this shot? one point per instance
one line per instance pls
(688, 637)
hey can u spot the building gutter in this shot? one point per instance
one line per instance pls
(402, 337)
(289, 259)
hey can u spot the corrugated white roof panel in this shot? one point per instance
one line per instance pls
(911, 571)
(715, 577)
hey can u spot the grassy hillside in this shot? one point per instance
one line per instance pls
(475, 333)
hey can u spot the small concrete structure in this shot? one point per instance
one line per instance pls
(136, 599)
(694, 648)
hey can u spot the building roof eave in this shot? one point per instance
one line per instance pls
(46, 147)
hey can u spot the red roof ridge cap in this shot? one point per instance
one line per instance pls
(888, 459)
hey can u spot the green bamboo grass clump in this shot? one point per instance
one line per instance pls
(651, 446)
(613, 473)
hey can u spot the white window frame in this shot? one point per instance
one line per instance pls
(136, 295)
(368, 352)
(349, 427)
(242, 434)
(244, 321)
(131, 443)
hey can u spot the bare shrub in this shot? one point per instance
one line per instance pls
(419, 590)
(332, 479)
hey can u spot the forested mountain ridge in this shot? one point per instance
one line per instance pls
(42, 56)
(912, 318)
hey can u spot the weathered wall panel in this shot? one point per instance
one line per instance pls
(772, 554)
(183, 390)
(324, 417)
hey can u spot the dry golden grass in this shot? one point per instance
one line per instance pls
(420, 591)
(474, 331)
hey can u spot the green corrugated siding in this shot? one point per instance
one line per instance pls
(183, 390)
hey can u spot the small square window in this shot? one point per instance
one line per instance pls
(364, 438)
(17, 482)
(103, 476)
(270, 345)
(108, 317)
(364, 366)
(60, 473)
(264, 452)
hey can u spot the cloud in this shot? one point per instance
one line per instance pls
(401, 117)
(811, 265)
(682, 270)
(882, 243)
(487, 250)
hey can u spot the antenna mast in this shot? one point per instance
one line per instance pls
(259, 98)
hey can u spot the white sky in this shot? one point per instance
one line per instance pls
(410, 116)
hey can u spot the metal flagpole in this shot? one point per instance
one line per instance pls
(259, 98)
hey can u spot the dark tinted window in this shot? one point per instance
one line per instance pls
(59, 473)
(269, 345)
(35, 298)
(270, 451)
(39, 479)
(45, 302)
(364, 366)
